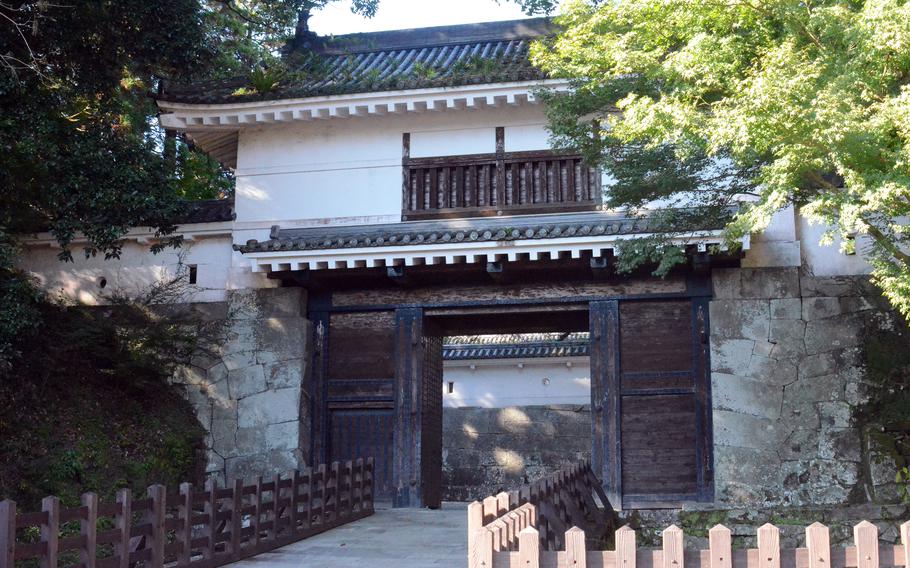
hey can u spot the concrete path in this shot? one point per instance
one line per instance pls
(391, 538)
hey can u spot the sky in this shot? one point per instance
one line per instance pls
(336, 18)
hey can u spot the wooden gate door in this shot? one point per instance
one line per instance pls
(651, 400)
(359, 406)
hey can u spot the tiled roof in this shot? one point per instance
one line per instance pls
(207, 211)
(470, 54)
(530, 350)
(478, 229)
(510, 338)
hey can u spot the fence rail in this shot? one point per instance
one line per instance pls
(555, 503)
(523, 550)
(207, 528)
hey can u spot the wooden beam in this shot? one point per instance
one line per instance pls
(605, 400)
(409, 360)
(398, 275)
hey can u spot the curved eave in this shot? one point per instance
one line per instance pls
(460, 252)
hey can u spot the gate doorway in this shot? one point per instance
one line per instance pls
(376, 380)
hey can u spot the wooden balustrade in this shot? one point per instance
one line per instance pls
(509, 183)
(209, 527)
(559, 501)
(488, 551)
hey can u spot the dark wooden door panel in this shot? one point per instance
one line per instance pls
(365, 433)
(656, 337)
(658, 445)
(431, 417)
(362, 345)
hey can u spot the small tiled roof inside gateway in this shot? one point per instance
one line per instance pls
(494, 52)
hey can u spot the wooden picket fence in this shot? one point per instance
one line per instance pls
(206, 528)
(551, 505)
(522, 550)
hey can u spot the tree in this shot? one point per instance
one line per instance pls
(760, 103)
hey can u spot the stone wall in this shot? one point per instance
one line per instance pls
(787, 367)
(486, 450)
(249, 394)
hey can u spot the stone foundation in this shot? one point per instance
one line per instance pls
(487, 450)
(787, 365)
(249, 395)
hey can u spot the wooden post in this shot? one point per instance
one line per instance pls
(576, 554)
(257, 511)
(237, 516)
(500, 167)
(323, 490)
(185, 513)
(405, 175)
(490, 507)
(721, 545)
(308, 506)
(211, 522)
(349, 486)
(155, 517)
(88, 529)
(865, 534)
(276, 507)
(336, 490)
(7, 533)
(905, 539)
(50, 531)
(673, 547)
(529, 548)
(294, 502)
(818, 543)
(359, 485)
(768, 546)
(481, 554)
(475, 521)
(625, 547)
(502, 503)
(124, 522)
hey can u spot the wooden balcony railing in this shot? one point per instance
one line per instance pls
(511, 183)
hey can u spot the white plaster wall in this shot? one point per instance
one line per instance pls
(827, 260)
(134, 271)
(503, 383)
(349, 170)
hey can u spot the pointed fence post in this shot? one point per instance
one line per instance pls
(768, 546)
(502, 503)
(50, 531)
(720, 542)
(7, 533)
(155, 517)
(625, 547)
(481, 554)
(490, 506)
(294, 475)
(124, 522)
(576, 555)
(865, 534)
(529, 548)
(905, 539)
(475, 522)
(185, 513)
(818, 544)
(673, 547)
(88, 529)
(237, 516)
(210, 508)
(257, 512)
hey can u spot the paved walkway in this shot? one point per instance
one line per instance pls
(391, 538)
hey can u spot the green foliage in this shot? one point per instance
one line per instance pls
(764, 103)
(89, 402)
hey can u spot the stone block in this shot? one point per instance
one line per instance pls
(284, 436)
(788, 338)
(741, 319)
(280, 302)
(768, 283)
(726, 283)
(817, 365)
(786, 308)
(284, 374)
(835, 414)
(801, 396)
(745, 396)
(813, 286)
(821, 307)
(840, 444)
(776, 372)
(265, 463)
(283, 337)
(249, 441)
(743, 430)
(247, 381)
(269, 407)
(833, 333)
(799, 442)
(731, 356)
